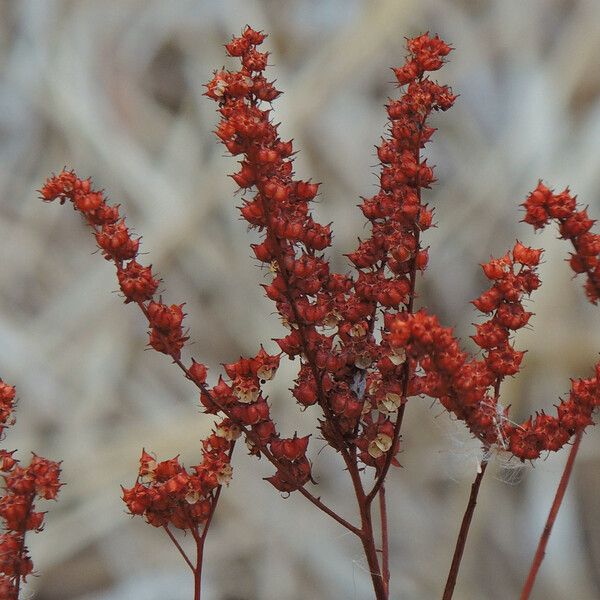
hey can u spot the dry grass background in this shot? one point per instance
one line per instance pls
(114, 90)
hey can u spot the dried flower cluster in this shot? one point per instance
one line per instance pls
(167, 494)
(362, 349)
(469, 387)
(358, 383)
(23, 486)
(543, 206)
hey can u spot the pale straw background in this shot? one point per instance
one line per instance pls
(113, 88)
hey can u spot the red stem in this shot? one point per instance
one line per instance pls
(558, 498)
(199, 555)
(381, 578)
(463, 533)
(466, 522)
(249, 434)
(385, 561)
(317, 502)
(368, 542)
(178, 546)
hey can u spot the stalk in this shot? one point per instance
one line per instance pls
(558, 498)
(463, 533)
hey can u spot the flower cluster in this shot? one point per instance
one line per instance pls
(543, 205)
(241, 398)
(241, 401)
(7, 405)
(22, 487)
(113, 237)
(469, 387)
(359, 380)
(388, 261)
(332, 316)
(168, 494)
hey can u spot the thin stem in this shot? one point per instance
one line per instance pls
(199, 556)
(178, 546)
(317, 502)
(349, 459)
(368, 542)
(198, 573)
(250, 435)
(558, 498)
(463, 533)
(385, 547)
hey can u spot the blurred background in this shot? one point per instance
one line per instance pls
(114, 90)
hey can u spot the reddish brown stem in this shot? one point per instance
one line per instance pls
(368, 542)
(385, 547)
(316, 501)
(178, 546)
(199, 556)
(379, 577)
(558, 498)
(463, 533)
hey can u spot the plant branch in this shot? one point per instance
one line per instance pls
(385, 549)
(368, 542)
(179, 548)
(249, 434)
(463, 533)
(317, 502)
(558, 498)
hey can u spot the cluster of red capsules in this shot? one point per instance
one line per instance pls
(241, 401)
(332, 316)
(543, 205)
(469, 387)
(389, 260)
(168, 494)
(136, 281)
(22, 486)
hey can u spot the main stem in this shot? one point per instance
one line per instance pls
(199, 556)
(558, 498)
(368, 541)
(385, 549)
(463, 533)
